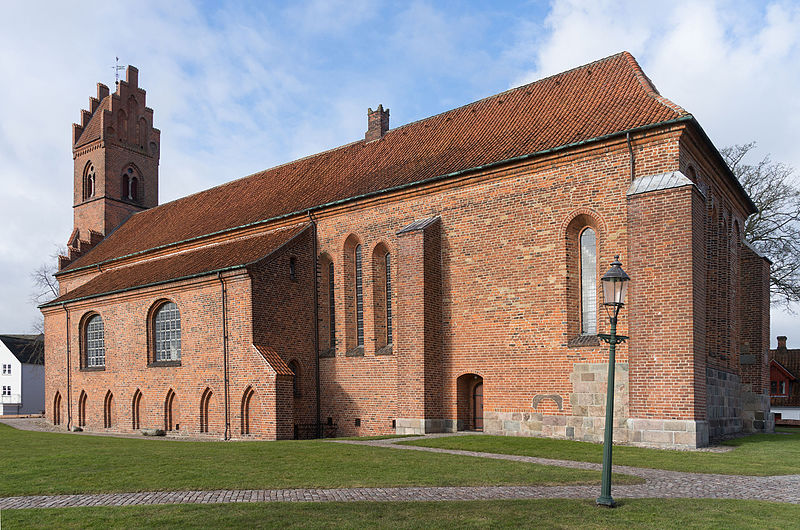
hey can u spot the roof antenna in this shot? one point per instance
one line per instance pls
(117, 69)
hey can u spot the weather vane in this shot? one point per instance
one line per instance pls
(117, 69)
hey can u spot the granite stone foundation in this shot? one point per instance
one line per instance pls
(588, 404)
(424, 426)
(756, 415)
(723, 403)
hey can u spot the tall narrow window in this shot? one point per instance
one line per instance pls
(331, 307)
(94, 342)
(388, 299)
(359, 299)
(588, 242)
(167, 333)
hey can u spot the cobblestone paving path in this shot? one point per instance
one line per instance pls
(659, 484)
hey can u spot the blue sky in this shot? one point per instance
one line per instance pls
(241, 86)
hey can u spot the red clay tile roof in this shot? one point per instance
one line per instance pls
(92, 130)
(595, 100)
(789, 360)
(205, 260)
(274, 360)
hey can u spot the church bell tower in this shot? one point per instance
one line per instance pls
(115, 151)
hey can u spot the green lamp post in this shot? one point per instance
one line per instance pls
(615, 287)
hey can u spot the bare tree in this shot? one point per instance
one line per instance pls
(775, 229)
(45, 285)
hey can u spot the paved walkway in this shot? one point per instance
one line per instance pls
(658, 484)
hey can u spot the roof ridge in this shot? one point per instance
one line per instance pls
(508, 91)
(391, 130)
(649, 86)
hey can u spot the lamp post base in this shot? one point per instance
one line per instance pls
(606, 502)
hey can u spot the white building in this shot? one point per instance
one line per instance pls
(21, 374)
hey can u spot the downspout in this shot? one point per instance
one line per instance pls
(225, 356)
(630, 152)
(69, 391)
(316, 325)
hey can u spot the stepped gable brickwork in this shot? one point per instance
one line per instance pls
(431, 278)
(116, 151)
(592, 101)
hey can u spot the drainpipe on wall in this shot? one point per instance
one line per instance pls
(630, 152)
(69, 390)
(316, 326)
(225, 356)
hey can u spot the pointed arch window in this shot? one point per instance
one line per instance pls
(588, 256)
(388, 260)
(359, 299)
(382, 299)
(331, 308)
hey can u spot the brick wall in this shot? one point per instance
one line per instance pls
(489, 294)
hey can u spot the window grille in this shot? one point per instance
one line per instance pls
(359, 299)
(167, 328)
(388, 300)
(95, 342)
(331, 306)
(588, 242)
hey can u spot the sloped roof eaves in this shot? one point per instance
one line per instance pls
(588, 103)
(738, 185)
(269, 243)
(393, 189)
(28, 349)
(784, 369)
(275, 361)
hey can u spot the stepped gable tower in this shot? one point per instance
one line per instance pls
(116, 151)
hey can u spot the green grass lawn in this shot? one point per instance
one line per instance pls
(548, 513)
(759, 454)
(53, 463)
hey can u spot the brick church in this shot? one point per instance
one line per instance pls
(438, 276)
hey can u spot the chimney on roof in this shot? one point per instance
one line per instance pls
(377, 123)
(782, 343)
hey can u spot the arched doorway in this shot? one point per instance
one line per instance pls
(470, 402)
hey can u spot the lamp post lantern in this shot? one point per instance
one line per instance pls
(615, 287)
